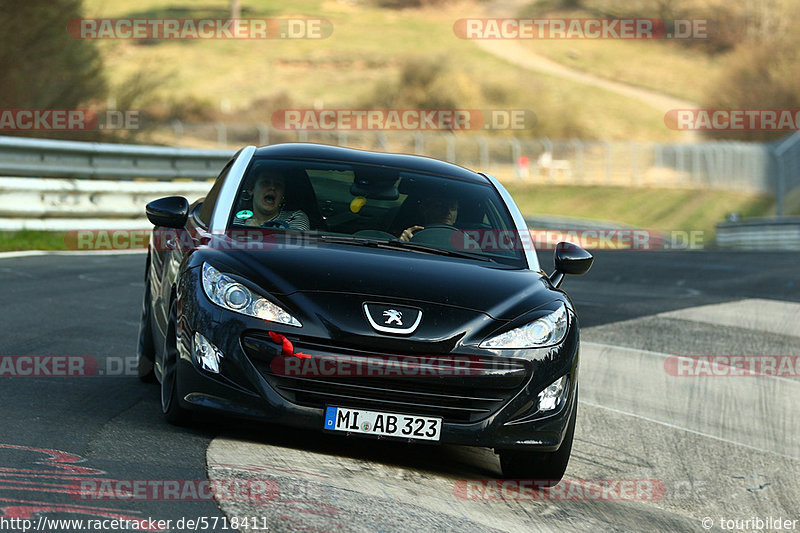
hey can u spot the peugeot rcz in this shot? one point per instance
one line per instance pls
(365, 294)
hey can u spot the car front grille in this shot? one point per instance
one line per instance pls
(491, 382)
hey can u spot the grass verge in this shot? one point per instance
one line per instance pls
(658, 209)
(11, 241)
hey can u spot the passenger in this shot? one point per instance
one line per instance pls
(269, 201)
(434, 211)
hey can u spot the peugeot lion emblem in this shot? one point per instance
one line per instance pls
(392, 318)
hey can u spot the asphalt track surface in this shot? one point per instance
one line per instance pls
(662, 452)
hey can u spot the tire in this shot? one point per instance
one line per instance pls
(145, 352)
(170, 405)
(547, 468)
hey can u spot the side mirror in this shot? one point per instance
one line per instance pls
(570, 259)
(168, 212)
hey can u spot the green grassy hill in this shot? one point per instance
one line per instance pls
(362, 61)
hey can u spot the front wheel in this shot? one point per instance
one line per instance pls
(547, 468)
(170, 406)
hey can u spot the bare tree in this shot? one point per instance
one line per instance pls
(41, 65)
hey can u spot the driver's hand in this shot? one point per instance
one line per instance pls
(409, 232)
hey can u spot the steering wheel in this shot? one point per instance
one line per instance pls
(275, 224)
(435, 234)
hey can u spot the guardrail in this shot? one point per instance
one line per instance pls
(760, 234)
(66, 204)
(73, 159)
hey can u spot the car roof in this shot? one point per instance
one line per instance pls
(324, 152)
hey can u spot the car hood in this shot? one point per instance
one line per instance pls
(399, 276)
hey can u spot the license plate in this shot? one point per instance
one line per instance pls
(385, 424)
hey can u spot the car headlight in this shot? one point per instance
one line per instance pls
(545, 331)
(232, 295)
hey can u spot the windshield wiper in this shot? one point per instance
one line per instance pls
(397, 244)
(425, 248)
(348, 239)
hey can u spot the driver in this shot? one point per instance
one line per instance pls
(269, 204)
(434, 211)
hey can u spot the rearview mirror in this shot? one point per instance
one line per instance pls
(168, 212)
(570, 259)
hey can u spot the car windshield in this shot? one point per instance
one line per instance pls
(368, 204)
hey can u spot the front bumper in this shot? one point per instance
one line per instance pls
(493, 407)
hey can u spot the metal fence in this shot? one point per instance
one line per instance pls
(786, 161)
(740, 166)
(755, 167)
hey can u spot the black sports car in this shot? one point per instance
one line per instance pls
(385, 295)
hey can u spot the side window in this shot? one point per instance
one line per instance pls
(207, 208)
